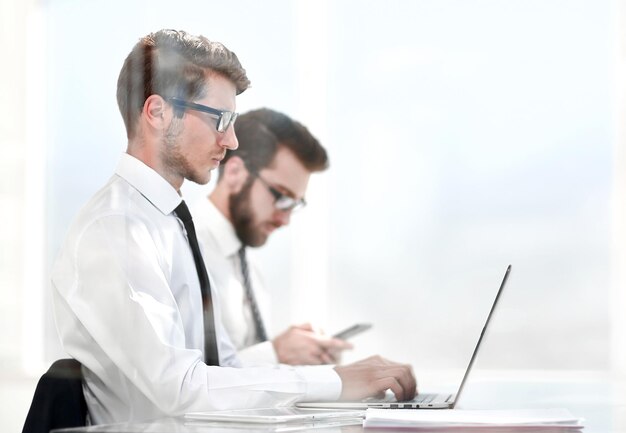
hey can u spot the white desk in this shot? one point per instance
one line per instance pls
(600, 400)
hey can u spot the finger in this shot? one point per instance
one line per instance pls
(335, 354)
(410, 382)
(401, 381)
(336, 343)
(333, 344)
(314, 360)
(308, 360)
(404, 376)
(326, 358)
(304, 326)
(314, 357)
(391, 383)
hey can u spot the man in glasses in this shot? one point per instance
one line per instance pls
(260, 185)
(133, 301)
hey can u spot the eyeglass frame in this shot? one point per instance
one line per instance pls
(294, 204)
(221, 114)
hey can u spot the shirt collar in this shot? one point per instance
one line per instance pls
(149, 183)
(223, 231)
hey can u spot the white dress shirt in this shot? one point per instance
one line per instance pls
(220, 245)
(128, 307)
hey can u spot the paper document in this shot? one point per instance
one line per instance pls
(552, 419)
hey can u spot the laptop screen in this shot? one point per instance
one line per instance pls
(482, 333)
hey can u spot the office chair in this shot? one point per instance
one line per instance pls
(58, 401)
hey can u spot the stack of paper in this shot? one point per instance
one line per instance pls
(443, 419)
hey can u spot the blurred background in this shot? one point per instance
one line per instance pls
(463, 136)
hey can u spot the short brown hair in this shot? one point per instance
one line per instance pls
(260, 134)
(172, 63)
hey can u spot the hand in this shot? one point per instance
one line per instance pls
(301, 345)
(373, 376)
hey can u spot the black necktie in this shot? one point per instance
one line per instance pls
(211, 355)
(254, 308)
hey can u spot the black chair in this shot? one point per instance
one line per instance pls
(58, 401)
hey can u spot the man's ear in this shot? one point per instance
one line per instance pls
(156, 113)
(235, 174)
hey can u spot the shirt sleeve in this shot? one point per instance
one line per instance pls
(117, 315)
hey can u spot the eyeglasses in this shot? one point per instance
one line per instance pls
(283, 202)
(224, 118)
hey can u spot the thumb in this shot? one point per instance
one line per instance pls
(304, 326)
(335, 344)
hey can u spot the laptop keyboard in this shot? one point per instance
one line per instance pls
(390, 398)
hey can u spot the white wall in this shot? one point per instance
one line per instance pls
(466, 136)
(21, 205)
(463, 136)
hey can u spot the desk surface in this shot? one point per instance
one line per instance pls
(600, 401)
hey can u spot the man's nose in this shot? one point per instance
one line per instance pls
(229, 139)
(282, 217)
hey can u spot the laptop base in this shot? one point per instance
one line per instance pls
(422, 401)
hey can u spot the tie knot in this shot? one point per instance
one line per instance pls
(183, 212)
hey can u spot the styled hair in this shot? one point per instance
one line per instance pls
(262, 132)
(172, 63)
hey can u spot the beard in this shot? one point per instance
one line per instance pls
(175, 162)
(243, 217)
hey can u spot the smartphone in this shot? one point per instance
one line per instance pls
(352, 331)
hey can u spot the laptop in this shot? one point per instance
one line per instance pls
(421, 401)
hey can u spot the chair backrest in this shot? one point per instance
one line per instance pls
(58, 401)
